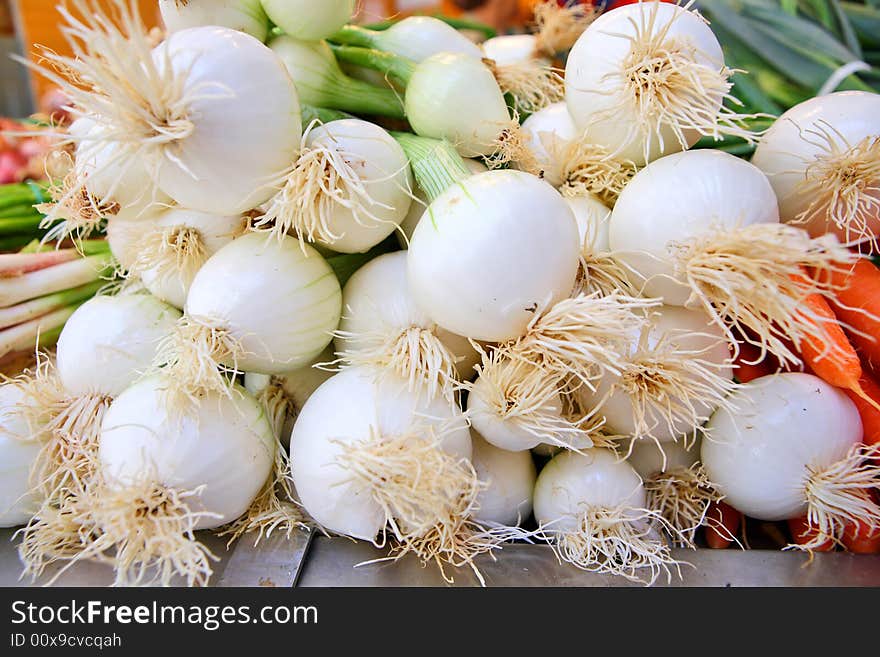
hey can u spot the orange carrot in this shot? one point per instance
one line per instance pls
(836, 363)
(868, 412)
(858, 306)
(802, 533)
(722, 524)
(749, 365)
(859, 538)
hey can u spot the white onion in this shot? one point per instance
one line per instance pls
(678, 197)
(110, 341)
(781, 430)
(686, 91)
(279, 300)
(419, 37)
(511, 48)
(649, 459)
(244, 15)
(247, 105)
(309, 20)
(550, 131)
(378, 307)
(455, 97)
(497, 247)
(125, 236)
(572, 483)
(516, 406)
(682, 350)
(374, 408)
(224, 445)
(177, 110)
(591, 506)
(169, 267)
(18, 452)
(112, 178)
(349, 189)
(510, 477)
(823, 159)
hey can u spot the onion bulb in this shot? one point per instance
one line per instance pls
(395, 463)
(649, 79)
(677, 485)
(164, 476)
(106, 345)
(531, 82)
(455, 97)
(414, 37)
(498, 246)
(172, 250)
(516, 405)
(822, 158)
(124, 238)
(790, 446)
(348, 189)
(382, 326)
(591, 506)
(258, 304)
(510, 482)
(676, 372)
(180, 109)
(243, 15)
(599, 271)
(309, 20)
(550, 132)
(701, 228)
(19, 500)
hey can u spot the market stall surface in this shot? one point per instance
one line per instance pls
(306, 561)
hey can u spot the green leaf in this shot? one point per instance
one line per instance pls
(865, 21)
(846, 29)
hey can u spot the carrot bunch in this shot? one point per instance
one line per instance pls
(846, 355)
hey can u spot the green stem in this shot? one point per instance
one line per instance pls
(25, 336)
(20, 210)
(353, 35)
(457, 23)
(324, 115)
(28, 310)
(346, 264)
(435, 163)
(398, 69)
(15, 242)
(362, 97)
(20, 224)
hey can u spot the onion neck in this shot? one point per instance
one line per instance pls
(341, 92)
(323, 114)
(435, 163)
(398, 69)
(354, 35)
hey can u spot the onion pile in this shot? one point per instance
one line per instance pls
(469, 302)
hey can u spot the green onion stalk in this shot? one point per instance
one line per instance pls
(41, 287)
(19, 219)
(320, 81)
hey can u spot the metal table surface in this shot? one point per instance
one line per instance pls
(309, 561)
